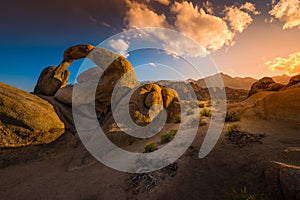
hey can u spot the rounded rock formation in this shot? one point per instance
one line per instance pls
(53, 78)
(26, 119)
(48, 84)
(294, 80)
(265, 84)
(152, 94)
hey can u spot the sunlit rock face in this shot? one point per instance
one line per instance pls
(52, 78)
(47, 84)
(111, 80)
(265, 84)
(294, 80)
(149, 95)
(26, 119)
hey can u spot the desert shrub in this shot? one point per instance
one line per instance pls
(232, 117)
(193, 104)
(150, 147)
(192, 122)
(243, 194)
(178, 119)
(208, 104)
(201, 105)
(205, 112)
(233, 128)
(167, 137)
(189, 112)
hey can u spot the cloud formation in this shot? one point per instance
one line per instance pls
(287, 11)
(200, 24)
(290, 65)
(164, 2)
(239, 18)
(250, 7)
(139, 15)
(208, 30)
(120, 46)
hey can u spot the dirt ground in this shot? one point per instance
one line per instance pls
(64, 170)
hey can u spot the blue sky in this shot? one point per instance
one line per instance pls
(35, 33)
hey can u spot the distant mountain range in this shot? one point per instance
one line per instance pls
(236, 88)
(236, 82)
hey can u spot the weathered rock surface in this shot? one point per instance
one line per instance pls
(119, 76)
(92, 74)
(281, 105)
(152, 94)
(265, 84)
(283, 180)
(294, 80)
(50, 81)
(26, 119)
(53, 78)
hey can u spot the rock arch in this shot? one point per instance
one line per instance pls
(53, 78)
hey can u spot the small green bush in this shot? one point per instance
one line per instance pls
(232, 117)
(193, 104)
(233, 128)
(150, 147)
(167, 137)
(242, 195)
(189, 112)
(178, 119)
(201, 105)
(205, 112)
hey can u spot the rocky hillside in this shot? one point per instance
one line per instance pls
(270, 100)
(231, 82)
(185, 90)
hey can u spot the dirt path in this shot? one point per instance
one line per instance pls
(227, 166)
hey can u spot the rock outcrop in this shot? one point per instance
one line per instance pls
(50, 81)
(114, 78)
(294, 80)
(152, 94)
(26, 119)
(53, 78)
(283, 177)
(265, 84)
(282, 105)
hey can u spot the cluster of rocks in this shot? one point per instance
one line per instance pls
(37, 118)
(268, 84)
(283, 177)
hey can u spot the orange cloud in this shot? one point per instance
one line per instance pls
(287, 11)
(139, 15)
(208, 30)
(239, 19)
(200, 24)
(164, 2)
(291, 64)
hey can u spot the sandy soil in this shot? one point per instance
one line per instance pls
(64, 170)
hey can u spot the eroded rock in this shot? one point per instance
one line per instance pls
(26, 119)
(265, 84)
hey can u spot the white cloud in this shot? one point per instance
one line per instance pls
(152, 64)
(106, 24)
(209, 31)
(239, 18)
(290, 65)
(92, 19)
(287, 11)
(139, 15)
(164, 2)
(120, 46)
